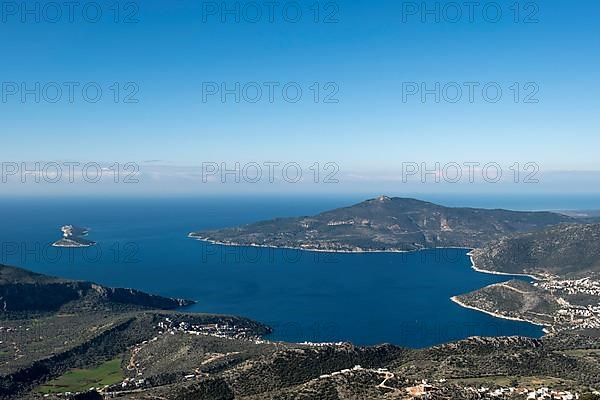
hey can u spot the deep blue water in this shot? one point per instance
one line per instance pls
(363, 298)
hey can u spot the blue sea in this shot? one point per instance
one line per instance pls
(370, 298)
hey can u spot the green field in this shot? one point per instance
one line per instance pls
(80, 380)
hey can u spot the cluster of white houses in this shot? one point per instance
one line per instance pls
(573, 316)
(216, 330)
(580, 286)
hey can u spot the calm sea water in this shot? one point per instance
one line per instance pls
(305, 296)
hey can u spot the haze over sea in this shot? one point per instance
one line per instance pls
(305, 296)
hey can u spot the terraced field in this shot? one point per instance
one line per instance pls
(80, 380)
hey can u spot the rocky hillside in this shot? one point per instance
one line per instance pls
(24, 291)
(566, 250)
(387, 224)
(513, 299)
(170, 355)
(455, 371)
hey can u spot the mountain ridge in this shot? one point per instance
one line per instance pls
(23, 291)
(564, 250)
(386, 224)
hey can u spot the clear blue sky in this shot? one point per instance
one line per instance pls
(368, 54)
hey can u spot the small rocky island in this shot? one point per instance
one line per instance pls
(74, 237)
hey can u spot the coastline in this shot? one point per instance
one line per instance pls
(72, 245)
(308, 249)
(455, 299)
(484, 271)
(493, 314)
(362, 251)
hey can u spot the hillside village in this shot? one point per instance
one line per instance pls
(574, 316)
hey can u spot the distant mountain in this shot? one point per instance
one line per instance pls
(23, 291)
(386, 224)
(566, 250)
